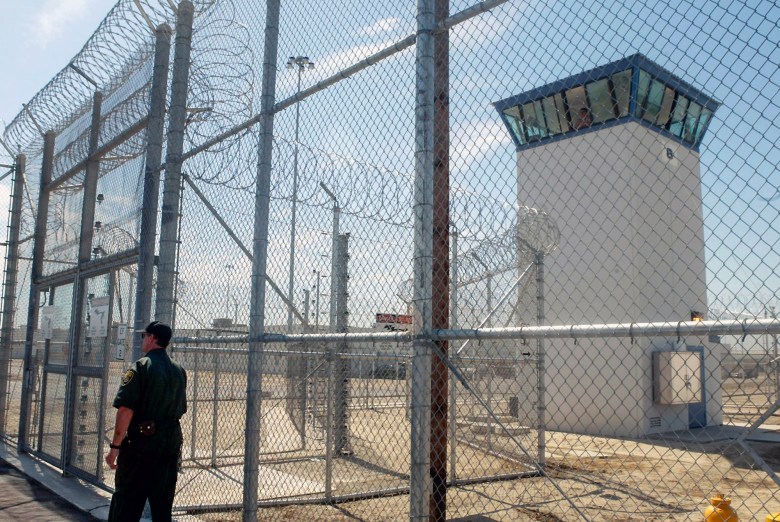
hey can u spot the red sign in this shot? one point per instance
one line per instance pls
(394, 318)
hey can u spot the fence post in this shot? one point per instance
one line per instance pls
(9, 284)
(154, 136)
(329, 440)
(541, 397)
(453, 407)
(36, 270)
(420, 478)
(169, 218)
(341, 396)
(215, 409)
(440, 277)
(334, 265)
(259, 265)
(92, 171)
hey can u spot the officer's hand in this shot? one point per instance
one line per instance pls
(111, 458)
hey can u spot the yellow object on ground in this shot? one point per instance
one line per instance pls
(720, 510)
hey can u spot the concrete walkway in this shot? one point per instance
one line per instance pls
(31, 490)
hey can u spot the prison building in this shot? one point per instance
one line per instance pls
(612, 154)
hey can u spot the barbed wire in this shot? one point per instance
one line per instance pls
(116, 50)
(364, 190)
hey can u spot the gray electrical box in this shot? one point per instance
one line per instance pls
(676, 377)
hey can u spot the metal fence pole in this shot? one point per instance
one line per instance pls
(85, 255)
(193, 413)
(169, 218)
(215, 410)
(440, 277)
(341, 368)
(334, 265)
(329, 441)
(541, 396)
(9, 284)
(36, 270)
(90, 184)
(154, 136)
(259, 265)
(453, 407)
(420, 479)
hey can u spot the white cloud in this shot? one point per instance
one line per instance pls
(53, 18)
(476, 139)
(381, 26)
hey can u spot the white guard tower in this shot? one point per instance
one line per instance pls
(612, 155)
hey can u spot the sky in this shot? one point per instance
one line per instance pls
(38, 39)
(739, 159)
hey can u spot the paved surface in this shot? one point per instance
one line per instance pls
(31, 490)
(22, 498)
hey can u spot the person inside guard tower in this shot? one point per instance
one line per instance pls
(146, 447)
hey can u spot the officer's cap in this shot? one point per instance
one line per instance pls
(160, 330)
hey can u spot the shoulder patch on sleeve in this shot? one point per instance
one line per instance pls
(127, 377)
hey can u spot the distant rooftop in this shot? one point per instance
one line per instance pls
(632, 89)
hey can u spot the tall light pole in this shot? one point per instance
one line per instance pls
(301, 63)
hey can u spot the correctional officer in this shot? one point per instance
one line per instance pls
(147, 439)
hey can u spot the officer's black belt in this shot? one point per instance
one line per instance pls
(150, 427)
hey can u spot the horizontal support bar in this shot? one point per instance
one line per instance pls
(100, 152)
(630, 330)
(91, 268)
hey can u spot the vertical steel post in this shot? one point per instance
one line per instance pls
(154, 136)
(329, 441)
(92, 171)
(775, 358)
(334, 264)
(317, 305)
(194, 402)
(169, 217)
(259, 265)
(341, 396)
(9, 284)
(420, 479)
(291, 282)
(453, 407)
(303, 370)
(541, 397)
(36, 270)
(215, 409)
(441, 265)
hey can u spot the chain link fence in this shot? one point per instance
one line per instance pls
(496, 261)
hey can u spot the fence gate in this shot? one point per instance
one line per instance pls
(71, 395)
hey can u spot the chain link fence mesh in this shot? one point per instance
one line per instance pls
(604, 176)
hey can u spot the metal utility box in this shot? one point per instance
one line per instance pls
(677, 377)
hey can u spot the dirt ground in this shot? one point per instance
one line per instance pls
(585, 477)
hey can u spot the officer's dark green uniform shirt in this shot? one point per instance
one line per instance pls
(154, 387)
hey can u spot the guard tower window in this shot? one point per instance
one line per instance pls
(533, 117)
(692, 118)
(704, 120)
(621, 82)
(600, 101)
(678, 117)
(515, 121)
(639, 91)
